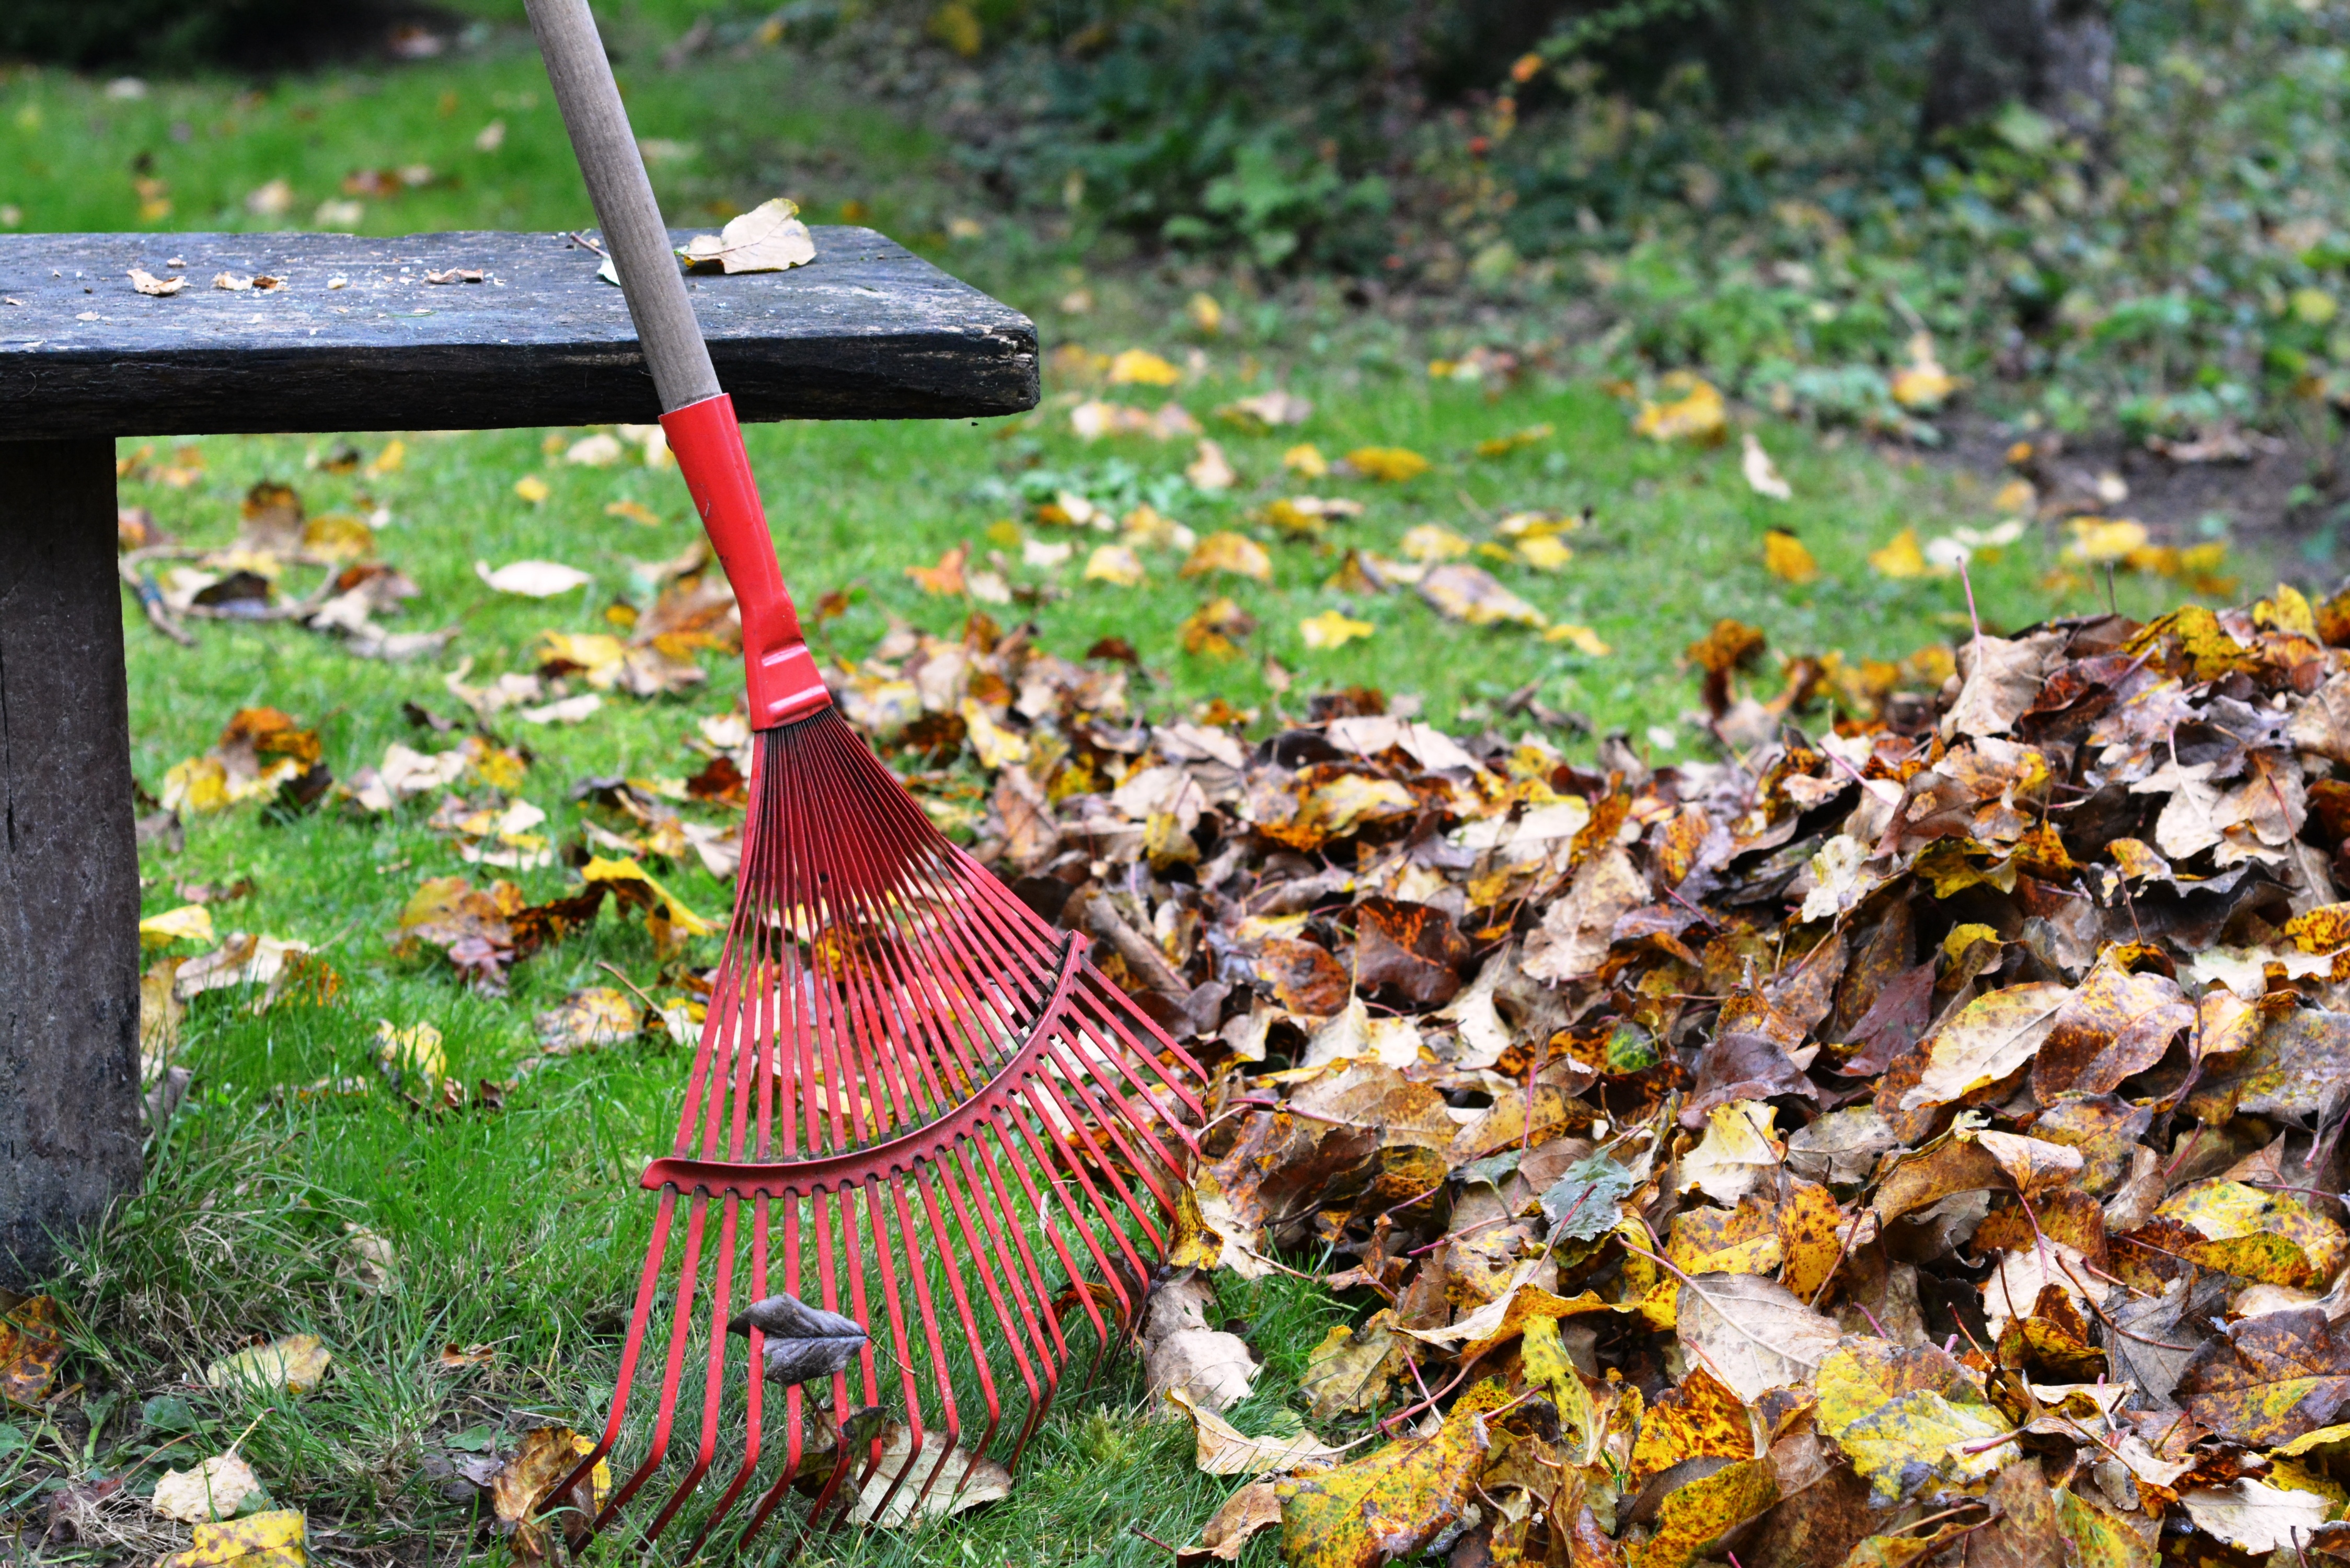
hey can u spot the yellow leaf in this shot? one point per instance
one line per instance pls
(1697, 1418)
(1141, 368)
(588, 1018)
(198, 784)
(2314, 305)
(1582, 639)
(393, 456)
(2098, 1539)
(1991, 1037)
(338, 537)
(994, 746)
(415, 1049)
(1217, 629)
(296, 1364)
(547, 1454)
(532, 488)
(1391, 464)
(1544, 552)
(1906, 1415)
(1784, 557)
(2271, 1237)
(1503, 445)
(2098, 540)
(1389, 1504)
(1695, 1517)
(1922, 383)
(188, 923)
(1350, 1370)
(1205, 314)
(1465, 593)
(1901, 557)
(1430, 542)
(1306, 460)
(589, 651)
(1115, 565)
(275, 1539)
(1697, 414)
(1332, 628)
(616, 871)
(1228, 552)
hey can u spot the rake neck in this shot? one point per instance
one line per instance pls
(784, 684)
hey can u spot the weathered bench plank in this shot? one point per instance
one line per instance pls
(866, 330)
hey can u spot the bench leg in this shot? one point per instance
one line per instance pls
(70, 1135)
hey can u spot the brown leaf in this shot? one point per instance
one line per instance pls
(1407, 953)
(1998, 681)
(2023, 1531)
(2116, 1024)
(1304, 977)
(1255, 1506)
(2272, 1379)
(516, 1491)
(32, 1344)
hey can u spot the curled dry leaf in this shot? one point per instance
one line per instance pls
(770, 237)
(1223, 1450)
(803, 1343)
(1254, 1507)
(520, 1488)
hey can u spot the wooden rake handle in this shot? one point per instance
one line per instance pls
(625, 209)
(782, 684)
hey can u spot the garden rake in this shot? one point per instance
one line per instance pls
(914, 1105)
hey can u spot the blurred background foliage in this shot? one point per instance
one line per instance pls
(2102, 213)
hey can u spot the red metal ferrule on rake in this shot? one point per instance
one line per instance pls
(936, 1117)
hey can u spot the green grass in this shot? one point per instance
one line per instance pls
(523, 1227)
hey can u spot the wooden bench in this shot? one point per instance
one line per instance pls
(354, 335)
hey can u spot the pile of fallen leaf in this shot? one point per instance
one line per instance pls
(1917, 1134)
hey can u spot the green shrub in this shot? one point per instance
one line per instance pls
(172, 33)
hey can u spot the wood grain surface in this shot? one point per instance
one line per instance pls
(868, 330)
(69, 859)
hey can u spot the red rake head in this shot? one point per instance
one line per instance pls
(937, 1120)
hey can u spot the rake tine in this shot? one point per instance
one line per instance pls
(713, 1384)
(755, 1384)
(864, 977)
